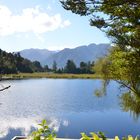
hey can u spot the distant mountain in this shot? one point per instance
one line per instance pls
(82, 53)
(37, 54)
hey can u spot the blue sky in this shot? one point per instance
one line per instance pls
(43, 24)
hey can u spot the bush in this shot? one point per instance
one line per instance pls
(43, 133)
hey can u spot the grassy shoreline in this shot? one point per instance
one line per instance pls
(49, 75)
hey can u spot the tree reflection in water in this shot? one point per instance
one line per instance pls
(129, 102)
(102, 91)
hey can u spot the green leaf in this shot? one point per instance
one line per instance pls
(130, 137)
(44, 122)
(85, 137)
(95, 136)
(117, 138)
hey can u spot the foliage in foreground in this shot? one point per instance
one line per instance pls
(101, 136)
(45, 133)
(94, 136)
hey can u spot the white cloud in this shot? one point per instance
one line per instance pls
(30, 20)
(66, 23)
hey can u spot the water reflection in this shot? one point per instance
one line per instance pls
(68, 105)
(103, 89)
(129, 102)
(13, 126)
(24, 126)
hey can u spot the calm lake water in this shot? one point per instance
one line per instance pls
(70, 106)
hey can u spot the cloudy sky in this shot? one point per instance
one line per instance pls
(43, 24)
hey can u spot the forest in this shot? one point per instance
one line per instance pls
(12, 63)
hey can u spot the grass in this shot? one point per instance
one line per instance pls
(50, 75)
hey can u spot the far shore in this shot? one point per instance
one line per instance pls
(49, 75)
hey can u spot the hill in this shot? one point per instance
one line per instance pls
(82, 53)
(36, 54)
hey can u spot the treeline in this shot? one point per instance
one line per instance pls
(70, 67)
(14, 63)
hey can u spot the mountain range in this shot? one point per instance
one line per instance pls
(82, 53)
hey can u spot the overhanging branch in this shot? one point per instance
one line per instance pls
(5, 88)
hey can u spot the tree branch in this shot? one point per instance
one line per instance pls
(5, 88)
(125, 85)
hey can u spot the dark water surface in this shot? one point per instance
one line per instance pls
(70, 106)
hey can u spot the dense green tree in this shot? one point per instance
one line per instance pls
(14, 63)
(37, 66)
(86, 67)
(125, 68)
(101, 67)
(25, 66)
(122, 66)
(60, 70)
(54, 66)
(70, 67)
(120, 20)
(46, 68)
(83, 67)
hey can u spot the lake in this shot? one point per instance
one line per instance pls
(69, 106)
